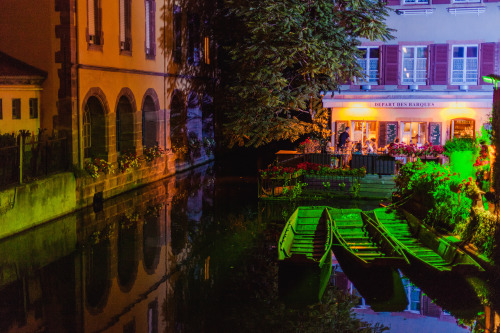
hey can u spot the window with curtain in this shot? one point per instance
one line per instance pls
(94, 22)
(125, 25)
(414, 64)
(369, 61)
(464, 62)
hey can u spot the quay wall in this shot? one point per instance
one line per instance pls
(26, 206)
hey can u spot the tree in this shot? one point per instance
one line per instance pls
(290, 53)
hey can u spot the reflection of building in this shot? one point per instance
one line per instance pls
(424, 86)
(121, 76)
(420, 307)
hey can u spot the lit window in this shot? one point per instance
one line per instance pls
(464, 70)
(414, 132)
(125, 25)
(462, 128)
(16, 108)
(33, 108)
(414, 64)
(364, 130)
(369, 64)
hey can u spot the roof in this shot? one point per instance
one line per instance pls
(13, 70)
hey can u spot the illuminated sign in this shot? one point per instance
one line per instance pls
(404, 104)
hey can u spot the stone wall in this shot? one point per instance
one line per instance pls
(28, 205)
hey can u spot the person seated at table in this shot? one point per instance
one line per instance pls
(374, 145)
(368, 147)
(358, 149)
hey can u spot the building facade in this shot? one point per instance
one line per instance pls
(121, 75)
(426, 84)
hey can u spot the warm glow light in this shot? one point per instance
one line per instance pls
(457, 112)
(360, 112)
(404, 49)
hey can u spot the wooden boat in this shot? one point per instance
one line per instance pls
(360, 238)
(422, 245)
(368, 258)
(304, 255)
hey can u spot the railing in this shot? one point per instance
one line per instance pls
(32, 158)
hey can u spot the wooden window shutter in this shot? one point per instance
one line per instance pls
(440, 2)
(152, 27)
(435, 130)
(390, 56)
(439, 64)
(487, 64)
(382, 134)
(128, 23)
(393, 2)
(491, 0)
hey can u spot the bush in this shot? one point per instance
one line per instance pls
(461, 144)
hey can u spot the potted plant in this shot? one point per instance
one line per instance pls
(462, 153)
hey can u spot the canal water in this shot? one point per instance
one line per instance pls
(197, 253)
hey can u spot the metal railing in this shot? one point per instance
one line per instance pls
(31, 158)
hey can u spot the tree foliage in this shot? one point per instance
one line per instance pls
(290, 52)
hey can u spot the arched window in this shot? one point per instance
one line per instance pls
(94, 129)
(124, 125)
(149, 123)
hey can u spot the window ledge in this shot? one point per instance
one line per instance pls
(126, 52)
(466, 10)
(415, 11)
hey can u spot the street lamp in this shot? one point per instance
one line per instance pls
(492, 78)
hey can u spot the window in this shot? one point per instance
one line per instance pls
(86, 131)
(364, 130)
(462, 128)
(465, 1)
(16, 108)
(193, 40)
(415, 2)
(150, 29)
(369, 64)
(414, 64)
(94, 22)
(1, 109)
(464, 62)
(414, 132)
(125, 25)
(33, 108)
(177, 29)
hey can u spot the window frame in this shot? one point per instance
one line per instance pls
(419, 131)
(125, 27)
(16, 109)
(194, 39)
(367, 70)
(414, 70)
(365, 130)
(415, 2)
(150, 29)
(94, 33)
(452, 128)
(464, 71)
(34, 113)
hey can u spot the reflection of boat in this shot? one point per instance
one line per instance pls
(304, 255)
(422, 246)
(366, 262)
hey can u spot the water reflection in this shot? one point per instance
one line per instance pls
(192, 253)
